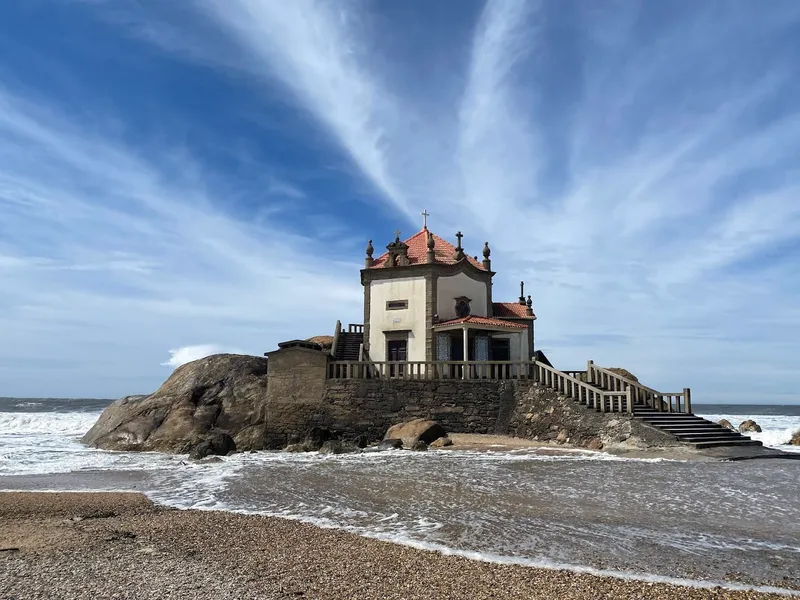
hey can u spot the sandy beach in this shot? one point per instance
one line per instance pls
(119, 545)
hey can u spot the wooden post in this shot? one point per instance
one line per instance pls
(589, 374)
(629, 394)
(687, 401)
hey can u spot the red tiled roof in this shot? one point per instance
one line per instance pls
(473, 320)
(417, 244)
(510, 310)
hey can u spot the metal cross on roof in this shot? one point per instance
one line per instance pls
(425, 214)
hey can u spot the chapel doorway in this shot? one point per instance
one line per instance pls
(397, 351)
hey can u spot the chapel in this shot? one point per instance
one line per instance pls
(426, 299)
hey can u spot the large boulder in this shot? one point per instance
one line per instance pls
(795, 441)
(418, 430)
(727, 424)
(201, 400)
(749, 426)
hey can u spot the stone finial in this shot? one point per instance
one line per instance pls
(487, 262)
(459, 255)
(368, 262)
(522, 293)
(431, 255)
(529, 304)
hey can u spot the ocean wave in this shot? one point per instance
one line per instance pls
(776, 430)
(57, 423)
(27, 404)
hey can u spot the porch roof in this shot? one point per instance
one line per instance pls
(473, 322)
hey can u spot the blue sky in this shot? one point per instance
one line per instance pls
(185, 177)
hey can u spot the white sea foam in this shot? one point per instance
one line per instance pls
(27, 404)
(777, 430)
(59, 423)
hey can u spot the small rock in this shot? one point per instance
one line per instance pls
(419, 446)
(390, 444)
(749, 426)
(562, 437)
(316, 436)
(337, 447)
(218, 444)
(594, 444)
(441, 442)
(298, 447)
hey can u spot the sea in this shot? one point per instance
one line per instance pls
(690, 522)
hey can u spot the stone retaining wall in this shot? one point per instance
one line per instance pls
(300, 397)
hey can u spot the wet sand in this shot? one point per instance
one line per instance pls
(504, 443)
(104, 545)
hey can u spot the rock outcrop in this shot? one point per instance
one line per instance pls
(795, 441)
(542, 414)
(749, 426)
(623, 373)
(202, 402)
(418, 430)
(727, 424)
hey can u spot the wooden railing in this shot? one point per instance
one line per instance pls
(660, 401)
(571, 384)
(355, 328)
(469, 370)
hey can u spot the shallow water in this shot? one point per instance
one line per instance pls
(700, 520)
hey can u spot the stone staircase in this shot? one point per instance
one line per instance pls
(691, 429)
(606, 390)
(348, 345)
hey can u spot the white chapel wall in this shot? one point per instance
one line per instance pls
(452, 287)
(412, 318)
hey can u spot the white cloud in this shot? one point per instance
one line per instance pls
(638, 240)
(108, 251)
(186, 354)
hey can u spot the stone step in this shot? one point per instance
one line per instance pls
(689, 429)
(712, 438)
(674, 423)
(742, 442)
(685, 434)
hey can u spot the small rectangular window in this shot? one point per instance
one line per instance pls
(396, 304)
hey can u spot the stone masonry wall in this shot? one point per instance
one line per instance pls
(299, 397)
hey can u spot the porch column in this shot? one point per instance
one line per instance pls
(466, 351)
(521, 355)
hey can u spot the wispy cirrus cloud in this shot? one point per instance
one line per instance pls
(636, 164)
(630, 191)
(106, 245)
